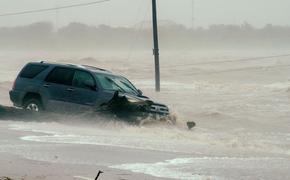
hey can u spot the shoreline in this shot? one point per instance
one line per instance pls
(15, 167)
(28, 160)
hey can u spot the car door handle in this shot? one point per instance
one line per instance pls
(46, 85)
(89, 104)
(70, 89)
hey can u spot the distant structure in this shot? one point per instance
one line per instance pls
(192, 13)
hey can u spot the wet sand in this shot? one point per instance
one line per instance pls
(29, 161)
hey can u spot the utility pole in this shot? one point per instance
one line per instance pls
(156, 46)
(192, 13)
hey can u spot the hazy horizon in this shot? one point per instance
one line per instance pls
(130, 12)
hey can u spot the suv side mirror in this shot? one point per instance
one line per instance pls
(140, 92)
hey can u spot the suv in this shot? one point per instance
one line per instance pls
(42, 86)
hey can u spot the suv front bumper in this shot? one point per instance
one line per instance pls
(159, 109)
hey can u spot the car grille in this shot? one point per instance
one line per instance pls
(158, 108)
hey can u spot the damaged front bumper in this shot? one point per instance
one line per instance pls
(159, 109)
(136, 109)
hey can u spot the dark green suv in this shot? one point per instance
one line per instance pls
(42, 86)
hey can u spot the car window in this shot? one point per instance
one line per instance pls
(116, 83)
(106, 83)
(81, 79)
(61, 75)
(32, 70)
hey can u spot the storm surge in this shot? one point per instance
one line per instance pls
(242, 112)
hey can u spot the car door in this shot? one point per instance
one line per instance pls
(56, 86)
(84, 95)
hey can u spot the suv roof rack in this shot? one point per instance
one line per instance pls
(95, 68)
(81, 66)
(75, 65)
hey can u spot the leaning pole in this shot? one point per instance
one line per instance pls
(156, 46)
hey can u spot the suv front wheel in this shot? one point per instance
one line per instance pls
(33, 105)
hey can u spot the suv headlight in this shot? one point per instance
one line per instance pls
(132, 99)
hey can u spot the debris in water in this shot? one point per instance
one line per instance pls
(5, 178)
(190, 124)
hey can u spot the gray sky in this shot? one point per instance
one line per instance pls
(130, 12)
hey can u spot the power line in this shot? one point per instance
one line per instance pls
(245, 69)
(138, 28)
(230, 61)
(52, 9)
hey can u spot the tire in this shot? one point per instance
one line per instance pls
(33, 105)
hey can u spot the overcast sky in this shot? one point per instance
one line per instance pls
(130, 12)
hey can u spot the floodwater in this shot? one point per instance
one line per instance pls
(238, 99)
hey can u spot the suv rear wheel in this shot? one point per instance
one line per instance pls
(33, 105)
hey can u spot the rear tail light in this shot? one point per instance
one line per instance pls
(13, 86)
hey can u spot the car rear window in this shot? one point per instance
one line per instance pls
(32, 70)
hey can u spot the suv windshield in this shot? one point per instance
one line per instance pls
(116, 83)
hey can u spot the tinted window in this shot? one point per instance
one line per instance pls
(82, 79)
(116, 83)
(107, 83)
(61, 76)
(32, 70)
